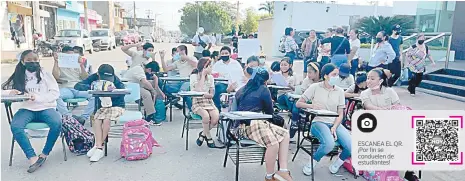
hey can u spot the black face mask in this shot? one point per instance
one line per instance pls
(225, 58)
(379, 40)
(249, 70)
(397, 33)
(32, 66)
(421, 42)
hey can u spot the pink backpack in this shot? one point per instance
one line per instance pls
(137, 141)
(382, 176)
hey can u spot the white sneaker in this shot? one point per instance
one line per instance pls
(91, 151)
(98, 154)
(308, 168)
(334, 167)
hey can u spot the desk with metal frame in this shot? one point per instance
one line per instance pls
(165, 80)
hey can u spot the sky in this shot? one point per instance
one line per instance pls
(169, 17)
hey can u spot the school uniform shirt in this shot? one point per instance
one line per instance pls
(184, 67)
(332, 100)
(306, 84)
(352, 89)
(46, 92)
(135, 74)
(386, 98)
(207, 84)
(231, 71)
(137, 58)
(347, 82)
(69, 77)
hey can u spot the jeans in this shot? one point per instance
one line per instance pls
(339, 59)
(395, 67)
(70, 93)
(175, 87)
(322, 131)
(23, 116)
(219, 89)
(291, 56)
(354, 66)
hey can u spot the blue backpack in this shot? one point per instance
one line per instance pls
(160, 111)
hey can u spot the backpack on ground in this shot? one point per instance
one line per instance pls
(78, 138)
(160, 111)
(350, 168)
(137, 141)
(382, 176)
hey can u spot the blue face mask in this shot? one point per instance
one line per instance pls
(333, 80)
(176, 56)
(148, 54)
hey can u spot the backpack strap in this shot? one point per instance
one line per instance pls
(340, 45)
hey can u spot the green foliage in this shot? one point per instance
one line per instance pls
(250, 24)
(372, 25)
(268, 6)
(214, 17)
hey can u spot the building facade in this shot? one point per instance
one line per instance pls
(93, 17)
(118, 17)
(69, 17)
(17, 26)
(106, 10)
(49, 21)
(458, 31)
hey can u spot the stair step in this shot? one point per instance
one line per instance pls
(441, 94)
(449, 79)
(454, 72)
(443, 87)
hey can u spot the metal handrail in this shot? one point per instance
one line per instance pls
(435, 36)
(411, 36)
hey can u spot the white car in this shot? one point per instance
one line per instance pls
(103, 38)
(74, 37)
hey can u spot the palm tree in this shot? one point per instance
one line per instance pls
(372, 25)
(268, 6)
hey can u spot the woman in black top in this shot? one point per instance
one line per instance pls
(256, 97)
(340, 47)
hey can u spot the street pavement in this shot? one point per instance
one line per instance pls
(172, 162)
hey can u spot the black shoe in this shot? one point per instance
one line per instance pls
(200, 140)
(36, 165)
(211, 143)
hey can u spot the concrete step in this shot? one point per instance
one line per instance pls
(441, 94)
(449, 79)
(455, 72)
(443, 87)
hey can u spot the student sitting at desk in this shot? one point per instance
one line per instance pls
(252, 63)
(359, 86)
(30, 79)
(378, 96)
(110, 110)
(68, 78)
(201, 80)
(345, 78)
(290, 81)
(256, 97)
(171, 61)
(230, 69)
(327, 96)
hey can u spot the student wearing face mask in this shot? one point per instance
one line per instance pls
(30, 79)
(138, 57)
(171, 61)
(230, 69)
(416, 63)
(396, 42)
(383, 52)
(326, 96)
(345, 78)
(378, 96)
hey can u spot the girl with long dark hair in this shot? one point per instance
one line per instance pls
(201, 80)
(29, 79)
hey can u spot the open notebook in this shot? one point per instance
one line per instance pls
(248, 114)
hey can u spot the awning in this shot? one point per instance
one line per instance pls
(44, 14)
(14, 7)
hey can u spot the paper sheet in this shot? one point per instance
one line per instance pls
(279, 79)
(68, 60)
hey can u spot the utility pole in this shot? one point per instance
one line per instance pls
(148, 12)
(237, 19)
(134, 9)
(375, 14)
(198, 14)
(86, 17)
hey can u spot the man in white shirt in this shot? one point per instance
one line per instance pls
(201, 42)
(230, 69)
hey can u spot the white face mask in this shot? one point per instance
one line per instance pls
(333, 80)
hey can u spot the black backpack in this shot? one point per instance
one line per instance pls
(78, 138)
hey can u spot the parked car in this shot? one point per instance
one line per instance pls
(122, 38)
(105, 37)
(186, 40)
(134, 35)
(299, 38)
(74, 37)
(147, 38)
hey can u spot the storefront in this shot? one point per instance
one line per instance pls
(17, 33)
(49, 23)
(93, 17)
(69, 18)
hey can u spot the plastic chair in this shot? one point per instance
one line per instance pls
(37, 126)
(187, 121)
(71, 101)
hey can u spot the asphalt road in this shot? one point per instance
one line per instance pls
(172, 162)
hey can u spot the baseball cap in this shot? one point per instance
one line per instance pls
(201, 30)
(106, 72)
(344, 70)
(396, 27)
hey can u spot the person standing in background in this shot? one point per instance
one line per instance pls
(310, 48)
(288, 45)
(340, 47)
(383, 52)
(354, 46)
(325, 50)
(396, 42)
(201, 42)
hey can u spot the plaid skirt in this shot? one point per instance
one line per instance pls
(109, 113)
(202, 103)
(265, 133)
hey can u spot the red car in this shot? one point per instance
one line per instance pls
(134, 36)
(122, 38)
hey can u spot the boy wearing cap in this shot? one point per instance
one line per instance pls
(396, 42)
(111, 108)
(200, 42)
(67, 78)
(346, 79)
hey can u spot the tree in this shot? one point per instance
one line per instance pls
(213, 18)
(250, 24)
(267, 6)
(372, 25)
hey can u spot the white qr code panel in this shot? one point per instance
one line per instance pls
(437, 140)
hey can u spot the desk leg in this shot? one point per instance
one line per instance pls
(9, 115)
(237, 159)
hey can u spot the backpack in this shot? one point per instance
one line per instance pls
(78, 138)
(160, 111)
(137, 141)
(382, 176)
(348, 113)
(348, 166)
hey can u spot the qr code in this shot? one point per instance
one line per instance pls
(437, 140)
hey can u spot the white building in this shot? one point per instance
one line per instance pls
(307, 16)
